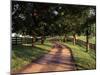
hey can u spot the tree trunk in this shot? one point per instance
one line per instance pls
(65, 38)
(87, 41)
(74, 39)
(42, 39)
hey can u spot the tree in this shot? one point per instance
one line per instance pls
(88, 24)
(54, 19)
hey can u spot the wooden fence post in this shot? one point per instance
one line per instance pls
(15, 40)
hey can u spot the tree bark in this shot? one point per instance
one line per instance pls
(87, 41)
(42, 39)
(74, 39)
(65, 38)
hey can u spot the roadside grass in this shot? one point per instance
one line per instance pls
(82, 37)
(83, 60)
(23, 55)
(91, 39)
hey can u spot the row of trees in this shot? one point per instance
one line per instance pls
(43, 19)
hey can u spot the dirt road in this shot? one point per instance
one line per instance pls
(58, 59)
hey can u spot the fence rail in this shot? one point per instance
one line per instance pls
(80, 42)
(20, 40)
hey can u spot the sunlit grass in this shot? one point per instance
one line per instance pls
(84, 60)
(23, 55)
(91, 39)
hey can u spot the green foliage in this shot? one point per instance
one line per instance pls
(46, 19)
(54, 19)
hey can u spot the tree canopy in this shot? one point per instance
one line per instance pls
(43, 19)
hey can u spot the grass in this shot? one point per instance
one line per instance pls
(23, 55)
(91, 39)
(83, 38)
(83, 60)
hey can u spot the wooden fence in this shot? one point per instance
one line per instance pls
(80, 42)
(20, 40)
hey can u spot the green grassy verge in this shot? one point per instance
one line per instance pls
(91, 39)
(23, 55)
(84, 60)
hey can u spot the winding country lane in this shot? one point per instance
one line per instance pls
(58, 59)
